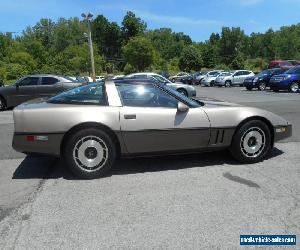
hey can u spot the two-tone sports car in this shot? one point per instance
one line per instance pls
(90, 126)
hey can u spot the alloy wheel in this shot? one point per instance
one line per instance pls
(253, 142)
(294, 87)
(262, 86)
(90, 153)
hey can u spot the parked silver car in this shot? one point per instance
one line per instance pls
(209, 79)
(179, 76)
(97, 122)
(235, 78)
(33, 86)
(184, 89)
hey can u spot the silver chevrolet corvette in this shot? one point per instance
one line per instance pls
(90, 126)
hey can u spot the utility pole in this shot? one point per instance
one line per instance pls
(88, 17)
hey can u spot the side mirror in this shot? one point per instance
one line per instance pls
(17, 85)
(181, 107)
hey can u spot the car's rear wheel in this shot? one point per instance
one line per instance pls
(262, 86)
(228, 84)
(294, 87)
(90, 153)
(183, 92)
(173, 79)
(2, 104)
(249, 88)
(251, 142)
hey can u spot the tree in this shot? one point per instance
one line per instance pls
(107, 36)
(139, 53)
(190, 59)
(132, 26)
(231, 43)
(169, 44)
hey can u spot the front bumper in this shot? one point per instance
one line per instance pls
(38, 143)
(284, 85)
(219, 82)
(207, 82)
(192, 92)
(282, 132)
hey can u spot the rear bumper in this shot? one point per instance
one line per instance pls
(282, 132)
(38, 143)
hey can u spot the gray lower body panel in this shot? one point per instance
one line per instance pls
(165, 140)
(51, 146)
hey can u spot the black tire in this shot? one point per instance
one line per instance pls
(275, 90)
(183, 92)
(74, 156)
(212, 84)
(262, 86)
(294, 87)
(173, 80)
(249, 88)
(2, 104)
(227, 84)
(243, 143)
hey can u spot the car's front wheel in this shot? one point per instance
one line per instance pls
(90, 153)
(173, 79)
(262, 86)
(251, 142)
(2, 104)
(249, 88)
(183, 92)
(294, 87)
(228, 84)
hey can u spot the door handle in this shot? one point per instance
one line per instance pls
(130, 116)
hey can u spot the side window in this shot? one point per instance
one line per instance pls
(49, 80)
(29, 81)
(87, 94)
(145, 95)
(140, 76)
(238, 73)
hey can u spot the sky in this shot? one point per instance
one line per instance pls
(198, 19)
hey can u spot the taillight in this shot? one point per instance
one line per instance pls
(30, 138)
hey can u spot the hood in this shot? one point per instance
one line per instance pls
(210, 102)
(252, 77)
(180, 85)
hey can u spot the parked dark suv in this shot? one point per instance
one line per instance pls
(262, 80)
(34, 86)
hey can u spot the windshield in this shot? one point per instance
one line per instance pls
(215, 73)
(265, 73)
(285, 64)
(295, 70)
(70, 79)
(160, 79)
(87, 94)
(193, 103)
(224, 74)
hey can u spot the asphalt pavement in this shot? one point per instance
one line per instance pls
(202, 201)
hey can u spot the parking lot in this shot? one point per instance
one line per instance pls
(202, 201)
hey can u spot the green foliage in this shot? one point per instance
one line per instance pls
(60, 47)
(132, 25)
(190, 59)
(256, 64)
(128, 69)
(139, 53)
